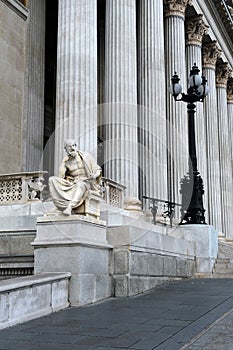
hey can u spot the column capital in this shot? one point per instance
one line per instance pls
(230, 90)
(195, 28)
(211, 52)
(223, 72)
(176, 7)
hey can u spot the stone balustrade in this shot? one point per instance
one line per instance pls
(113, 192)
(20, 188)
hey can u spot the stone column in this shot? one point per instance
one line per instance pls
(222, 74)
(230, 115)
(211, 53)
(196, 28)
(33, 123)
(101, 72)
(121, 153)
(152, 114)
(177, 130)
(76, 104)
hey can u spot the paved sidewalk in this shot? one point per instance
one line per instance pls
(218, 336)
(166, 318)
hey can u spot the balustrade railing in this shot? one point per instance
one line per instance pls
(167, 210)
(20, 188)
(113, 192)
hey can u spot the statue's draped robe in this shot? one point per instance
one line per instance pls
(64, 188)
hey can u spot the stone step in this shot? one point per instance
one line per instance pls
(222, 261)
(225, 250)
(202, 275)
(222, 275)
(222, 269)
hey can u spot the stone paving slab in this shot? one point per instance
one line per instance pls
(167, 318)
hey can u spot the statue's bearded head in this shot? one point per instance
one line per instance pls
(70, 147)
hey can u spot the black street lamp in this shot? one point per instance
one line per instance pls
(192, 211)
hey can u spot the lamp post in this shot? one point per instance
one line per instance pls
(192, 189)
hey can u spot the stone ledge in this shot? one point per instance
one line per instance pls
(71, 243)
(23, 282)
(50, 219)
(25, 298)
(74, 229)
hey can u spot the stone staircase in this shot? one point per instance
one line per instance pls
(223, 267)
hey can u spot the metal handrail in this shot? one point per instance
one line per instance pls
(167, 213)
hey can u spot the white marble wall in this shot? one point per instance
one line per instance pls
(12, 72)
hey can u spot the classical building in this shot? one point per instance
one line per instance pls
(99, 71)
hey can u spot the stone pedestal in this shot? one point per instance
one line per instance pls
(91, 205)
(205, 238)
(78, 245)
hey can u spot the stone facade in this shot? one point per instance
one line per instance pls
(144, 148)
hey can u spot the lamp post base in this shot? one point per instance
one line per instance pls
(192, 190)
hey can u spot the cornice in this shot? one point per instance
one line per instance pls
(217, 31)
(226, 15)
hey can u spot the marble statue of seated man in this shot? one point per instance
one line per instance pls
(78, 174)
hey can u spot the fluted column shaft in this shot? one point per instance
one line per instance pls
(222, 74)
(101, 73)
(210, 55)
(33, 124)
(76, 104)
(177, 130)
(195, 29)
(230, 115)
(121, 154)
(152, 115)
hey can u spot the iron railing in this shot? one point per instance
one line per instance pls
(168, 209)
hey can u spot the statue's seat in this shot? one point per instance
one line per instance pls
(91, 205)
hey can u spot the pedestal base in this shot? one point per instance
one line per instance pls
(78, 245)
